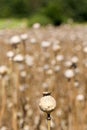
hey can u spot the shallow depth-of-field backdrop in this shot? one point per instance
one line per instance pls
(43, 59)
(43, 47)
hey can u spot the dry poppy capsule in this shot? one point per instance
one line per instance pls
(47, 103)
(3, 70)
(56, 47)
(69, 74)
(85, 49)
(45, 44)
(10, 54)
(18, 58)
(24, 37)
(15, 40)
(36, 25)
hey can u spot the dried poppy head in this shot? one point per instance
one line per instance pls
(33, 40)
(60, 58)
(75, 59)
(36, 25)
(69, 74)
(45, 44)
(24, 37)
(10, 54)
(47, 103)
(85, 49)
(80, 97)
(3, 70)
(29, 60)
(15, 40)
(56, 47)
(18, 58)
(68, 63)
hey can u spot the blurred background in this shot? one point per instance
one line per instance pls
(44, 11)
(35, 58)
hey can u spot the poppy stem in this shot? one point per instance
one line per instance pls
(48, 121)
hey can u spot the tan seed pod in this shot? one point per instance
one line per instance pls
(3, 70)
(18, 58)
(47, 103)
(24, 37)
(15, 40)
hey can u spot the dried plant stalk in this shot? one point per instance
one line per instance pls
(14, 118)
(3, 100)
(15, 102)
(48, 121)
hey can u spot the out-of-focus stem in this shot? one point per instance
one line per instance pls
(3, 100)
(14, 118)
(11, 64)
(70, 100)
(24, 48)
(15, 100)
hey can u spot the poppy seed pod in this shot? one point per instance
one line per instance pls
(15, 40)
(85, 49)
(69, 73)
(10, 54)
(45, 44)
(18, 58)
(3, 70)
(33, 40)
(36, 25)
(47, 103)
(56, 47)
(59, 57)
(75, 59)
(24, 37)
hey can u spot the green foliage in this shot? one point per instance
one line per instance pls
(12, 23)
(54, 11)
(38, 18)
(58, 11)
(76, 9)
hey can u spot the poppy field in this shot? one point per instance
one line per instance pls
(43, 59)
